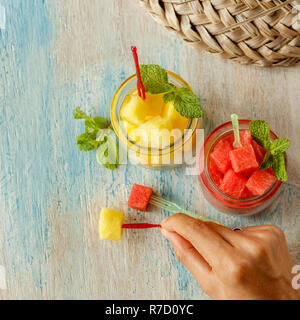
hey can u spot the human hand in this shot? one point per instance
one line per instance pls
(250, 264)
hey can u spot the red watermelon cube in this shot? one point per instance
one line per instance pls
(243, 159)
(230, 139)
(139, 197)
(246, 194)
(215, 173)
(220, 154)
(233, 184)
(260, 181)
(259, 152)
(245, 137)
(271, 171)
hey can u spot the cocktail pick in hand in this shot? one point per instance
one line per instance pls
(111, 225)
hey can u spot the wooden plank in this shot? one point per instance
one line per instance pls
(60, 54)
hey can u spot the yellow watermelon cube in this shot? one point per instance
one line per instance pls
(131, 130)
(178, 121)
(133, 110)
(128, 126)
(110, 224)
(155, 104)
(155, 133)
(134, 135)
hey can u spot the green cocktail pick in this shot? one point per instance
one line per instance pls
(236, 131)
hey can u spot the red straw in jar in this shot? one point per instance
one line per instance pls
(140, 86)
(140, 226)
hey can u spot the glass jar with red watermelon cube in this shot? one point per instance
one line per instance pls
(230, 178)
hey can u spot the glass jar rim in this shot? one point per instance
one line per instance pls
(246, 201)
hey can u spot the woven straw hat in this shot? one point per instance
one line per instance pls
(260, 32)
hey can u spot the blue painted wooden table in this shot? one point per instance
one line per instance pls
(56, 55)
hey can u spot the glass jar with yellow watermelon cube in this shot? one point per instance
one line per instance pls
(153, 133)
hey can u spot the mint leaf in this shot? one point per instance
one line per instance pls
(155, 79)
(95, 124)
(268, 161)
(279, 167)
(169, 97)
(107, 153)
(280, 145)
(260, 132)
(87, 141)
(79, 114)
(187, 104)
(100, 122)
(90, 126)
(98, 135)
(274, 156)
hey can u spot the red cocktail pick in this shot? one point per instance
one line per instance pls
(140, 226)
(140, 86)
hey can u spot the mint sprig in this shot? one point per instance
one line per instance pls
(260, 132)
(279, 167)
(279, 146)
(267, 162)
(187, 104)
(155, 81)
(275, 150)
(87, 142)
(98, 135)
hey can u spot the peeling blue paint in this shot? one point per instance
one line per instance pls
(26, 141)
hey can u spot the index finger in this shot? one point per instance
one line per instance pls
(210, 244)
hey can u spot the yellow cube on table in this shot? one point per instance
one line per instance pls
(110, 224)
